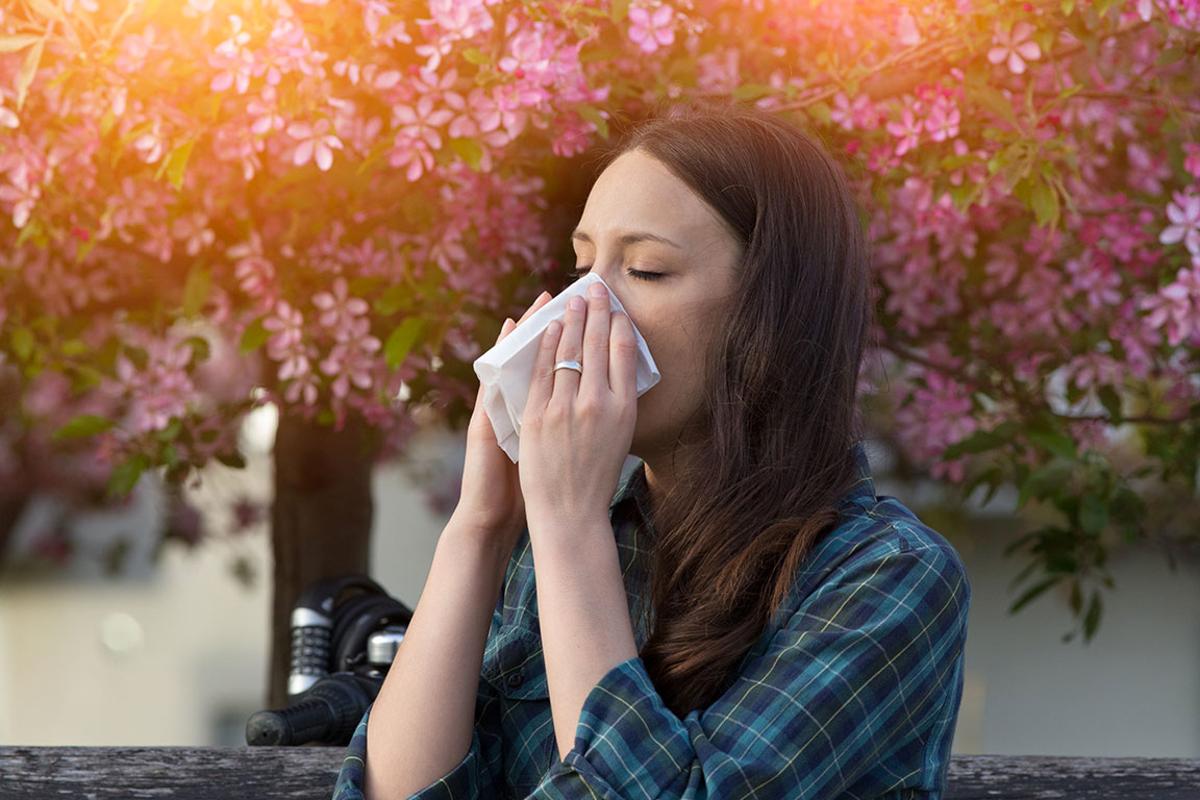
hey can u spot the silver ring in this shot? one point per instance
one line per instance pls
(568, 364)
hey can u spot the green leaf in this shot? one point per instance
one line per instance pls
(979, 442)
(1111, 402)
(993, 101)
(1092, 620)
(195, 290)
(254, 336)
(752, 91)
(200, 348)
(1170, 55)
(28, 70)
(125, 476)
(1076, 597)
(1093, 514)
(234, 460)
(1044, 480)
(11, 44)
(83, 425)
(175, 164)
(21, 340)
(171, 432)
(73, 347)
(1046, 432)
(401, 341)
(1044, 201)
(1128, 509)
(392, 300)
(1031, 593)
(468, 150)
(593, 115)
(476, 56)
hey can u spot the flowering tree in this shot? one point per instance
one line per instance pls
(216, 204)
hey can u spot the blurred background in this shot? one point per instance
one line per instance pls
(249, 250)
(173, 654)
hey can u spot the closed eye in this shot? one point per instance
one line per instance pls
(579, 272)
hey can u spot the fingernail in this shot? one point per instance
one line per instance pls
(543, 294)
(576, 303)
(597, 290)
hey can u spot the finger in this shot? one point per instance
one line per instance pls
(622, 365)
(506, 327)
(595, 341)
(541, 382)
(565, 382)
(540, 301)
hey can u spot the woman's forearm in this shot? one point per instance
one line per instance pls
(421, 723)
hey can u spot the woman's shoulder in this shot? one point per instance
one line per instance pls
(882, 542)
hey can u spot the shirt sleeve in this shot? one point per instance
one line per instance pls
(476, 777)
(864, 666)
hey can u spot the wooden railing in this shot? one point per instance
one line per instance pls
(308, 773)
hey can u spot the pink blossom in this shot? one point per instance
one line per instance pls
(287, 346)
(464, 19)
(232, 60)
(315, 141)
(352, 359)
(21, 192)
(161, 390)
(1094, 277)
(649, 30)
(193, 229)
(859, 113)
(1184, 213)
(1095, 369)
(933, 417)
(1191, 158)
(942, 122)
(1014, 46)
(420, 122)
(381, 11)
(338, 310)
(907, 130)
(254, 271)
(414, 153)
(1176, 306)
(906, 29)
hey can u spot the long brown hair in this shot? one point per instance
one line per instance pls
(756, 482)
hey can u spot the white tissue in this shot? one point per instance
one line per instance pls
(505, 370)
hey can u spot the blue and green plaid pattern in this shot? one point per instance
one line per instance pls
(851, 692)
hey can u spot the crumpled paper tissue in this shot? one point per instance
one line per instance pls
(505, 370)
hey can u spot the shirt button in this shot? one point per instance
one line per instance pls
(514, 679)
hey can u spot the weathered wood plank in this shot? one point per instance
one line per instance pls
(308, 773)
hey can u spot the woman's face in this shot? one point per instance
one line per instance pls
(679, 307)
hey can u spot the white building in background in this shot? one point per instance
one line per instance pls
(177, 655)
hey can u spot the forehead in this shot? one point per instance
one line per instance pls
(636, 192)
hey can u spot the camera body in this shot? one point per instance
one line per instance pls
(345, 634)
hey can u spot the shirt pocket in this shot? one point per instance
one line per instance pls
(513, 663)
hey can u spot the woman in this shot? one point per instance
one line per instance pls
(745, 617)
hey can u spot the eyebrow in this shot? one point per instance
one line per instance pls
(629, 238)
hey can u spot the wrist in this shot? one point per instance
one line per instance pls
(480, 543)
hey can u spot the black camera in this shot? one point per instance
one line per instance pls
(345, 634)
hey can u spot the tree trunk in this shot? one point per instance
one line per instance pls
(320, 520)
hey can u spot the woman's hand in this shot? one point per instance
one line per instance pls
(490, 501)
(576, 430)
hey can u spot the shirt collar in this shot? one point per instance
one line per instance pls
(633, 482)
(863, 490)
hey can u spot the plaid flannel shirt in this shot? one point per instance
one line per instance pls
(852, 691)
